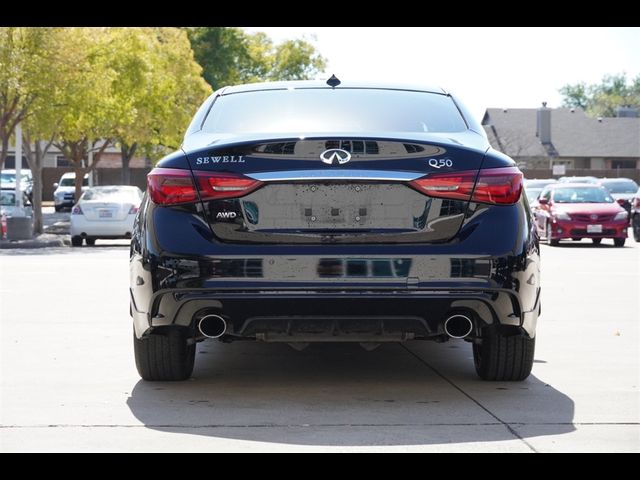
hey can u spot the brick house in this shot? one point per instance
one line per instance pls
(540, 138)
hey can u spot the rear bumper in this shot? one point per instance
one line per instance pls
(257, 313)
(568, 229)
(178, 269)
(116, 228)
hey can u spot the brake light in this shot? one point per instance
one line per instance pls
(498, 186)
(214, 186)
(133, 210)
(77, 210)
(168, 186)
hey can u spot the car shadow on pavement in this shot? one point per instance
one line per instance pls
(341, 395)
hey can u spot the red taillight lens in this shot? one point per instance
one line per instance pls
(456, 186)
(169, 186)
(77, 210)
(214, 186)
(500, 186)
(133, 210)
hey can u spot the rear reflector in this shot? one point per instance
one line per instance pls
(168, 186)
(499, 186)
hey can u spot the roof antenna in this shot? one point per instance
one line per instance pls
(333, 82)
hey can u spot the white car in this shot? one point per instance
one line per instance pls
(8, 202)
(104, 212)
(8, 181)
(65, 190)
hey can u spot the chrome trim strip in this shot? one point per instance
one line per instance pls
(334, 174)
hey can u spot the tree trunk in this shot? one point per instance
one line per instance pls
(38, 226)
(79, 171)
(127, 154)
(4, 151)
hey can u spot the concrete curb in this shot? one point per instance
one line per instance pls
(38, 242)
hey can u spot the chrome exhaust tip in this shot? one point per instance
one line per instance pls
(212, 326)
(458, 326)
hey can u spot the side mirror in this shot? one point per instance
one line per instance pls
(543, 201)
(56, 185)
(621, 201)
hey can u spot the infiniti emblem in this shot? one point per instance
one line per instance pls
(329, 156)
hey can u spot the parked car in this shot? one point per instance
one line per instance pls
(621, 189)
(587, 179)
(533, 188)
(8, 181)
(8, 204)
(538, 182)
(104, 212)
(65, 190)
(307, 211)
(635, 216)
(577, 211)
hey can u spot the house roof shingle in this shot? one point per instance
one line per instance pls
(573, 134)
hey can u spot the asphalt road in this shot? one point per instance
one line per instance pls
(68, 381)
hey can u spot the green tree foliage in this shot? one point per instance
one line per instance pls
(159, 87)
(602, 99)
(229, 56)
(88, 113)
(25, 76)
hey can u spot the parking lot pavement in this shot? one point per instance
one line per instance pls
(69, 381)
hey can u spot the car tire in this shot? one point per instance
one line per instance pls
(164, 357)
(90, 241)
(619, 242)
(547, 234)
(503, 355)
(596, 241)
(58, 208)
(76, 241)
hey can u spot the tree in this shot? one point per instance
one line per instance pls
(160, 86)
(88, 113)
(602, 99)
(25, 75)
(229, 55)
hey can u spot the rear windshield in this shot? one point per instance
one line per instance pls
(113, 194)
(322, 110)
(622, 186)
(70, 182)
(582, 195)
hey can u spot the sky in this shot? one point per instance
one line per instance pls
(486, 67)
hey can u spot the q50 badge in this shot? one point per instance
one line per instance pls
(440, 162)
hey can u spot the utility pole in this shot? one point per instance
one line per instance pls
(18, 163)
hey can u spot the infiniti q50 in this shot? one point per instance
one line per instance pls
(314, 211)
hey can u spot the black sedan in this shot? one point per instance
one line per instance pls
(313, 211)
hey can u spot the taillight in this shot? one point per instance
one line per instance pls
(214, 186)
(169, 186)
(77, 210)
(500, 186)
(133, 210)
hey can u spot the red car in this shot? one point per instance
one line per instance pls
(576, 211)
